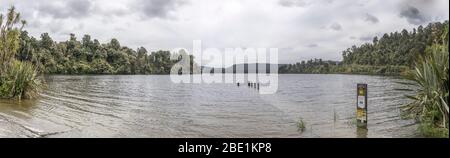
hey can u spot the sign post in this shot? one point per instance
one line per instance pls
(361, 106)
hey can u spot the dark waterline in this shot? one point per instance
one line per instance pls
(153, 106)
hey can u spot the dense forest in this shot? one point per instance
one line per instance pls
(90, 56)
(392, 53)
(310, 66)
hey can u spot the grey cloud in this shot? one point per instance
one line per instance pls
(159, 8)
(302, 3)
(55, 27)
(68, 9)
(312, 45)
(336, 26)
(371, 18)
(116, 12)
(366, 38)
(328, 1)
(292, 3)
(413, 15)
(33, 23)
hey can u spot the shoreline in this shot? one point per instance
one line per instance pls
(365, 74)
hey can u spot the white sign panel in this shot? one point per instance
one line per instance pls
(361, 102)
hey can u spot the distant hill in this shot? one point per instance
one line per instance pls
(241, 68)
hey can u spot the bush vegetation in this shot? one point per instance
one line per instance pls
(430, 104)
(17, 79)
(392, 54)
(91, 57)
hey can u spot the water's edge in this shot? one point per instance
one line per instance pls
(152, 106)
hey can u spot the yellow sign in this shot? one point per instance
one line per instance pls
(361, 115)
(361, 92)
(361, 105)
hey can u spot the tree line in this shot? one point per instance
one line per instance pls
(310, 66)
(89, 56)
(391, 53)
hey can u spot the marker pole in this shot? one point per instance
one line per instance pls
(361, 106)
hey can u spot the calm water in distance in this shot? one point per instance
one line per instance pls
(153, 106)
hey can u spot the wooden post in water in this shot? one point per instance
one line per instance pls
(257, 86)
(361, 106)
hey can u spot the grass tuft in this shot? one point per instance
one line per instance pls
(301, 125)
(20, 81)
(430, 104)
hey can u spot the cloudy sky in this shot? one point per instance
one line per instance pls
(301, 29)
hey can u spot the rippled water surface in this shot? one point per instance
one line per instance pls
(153, 106)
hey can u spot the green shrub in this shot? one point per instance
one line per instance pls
(20, 81)
(430, 104)
(428, 129)
(101, 67)
(301, 125)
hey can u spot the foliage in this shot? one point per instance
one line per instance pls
(428, 129)
(20, 81)
(392, 54)
(430, 104)
(17, 79)
(301, 125)
(90, 57)
(9, 35)
(395, 48)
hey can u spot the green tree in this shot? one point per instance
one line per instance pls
(17, 79)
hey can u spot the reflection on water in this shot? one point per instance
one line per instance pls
(152, 106)
(361, 132)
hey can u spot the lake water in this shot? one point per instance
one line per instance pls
(153, 106)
